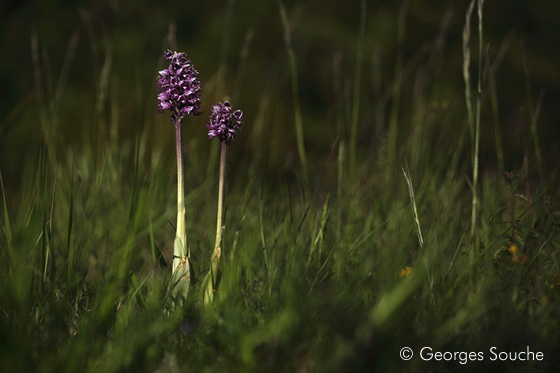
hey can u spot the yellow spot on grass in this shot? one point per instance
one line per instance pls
(517, 257)
(405, 271)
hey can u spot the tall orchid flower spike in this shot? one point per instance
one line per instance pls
(223, 124)
(180, 94)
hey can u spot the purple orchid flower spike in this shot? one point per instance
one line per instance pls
(179, 87)
(180, 94)
(224, 121)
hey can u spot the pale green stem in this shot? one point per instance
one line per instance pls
(221, 195)
(180, 250)
(181, 263)
(210, 283)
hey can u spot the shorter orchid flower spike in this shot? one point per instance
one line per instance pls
(224, 121)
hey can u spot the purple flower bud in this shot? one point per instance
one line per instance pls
(179, 87)
(224, 122)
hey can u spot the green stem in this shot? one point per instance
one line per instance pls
(180, 250)
(221, 195)
(210, 283)
(181, 264)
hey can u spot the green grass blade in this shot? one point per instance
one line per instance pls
(70, 245)
(7, 221)
(357, 88)
(295, 94)
(406, 174)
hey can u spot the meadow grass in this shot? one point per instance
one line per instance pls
(312, 261)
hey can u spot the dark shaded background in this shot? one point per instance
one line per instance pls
(134, 35)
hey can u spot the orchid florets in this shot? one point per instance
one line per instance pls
(224, 121)
(179, 87)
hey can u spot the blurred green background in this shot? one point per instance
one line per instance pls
(238, 48)
(311, 271)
